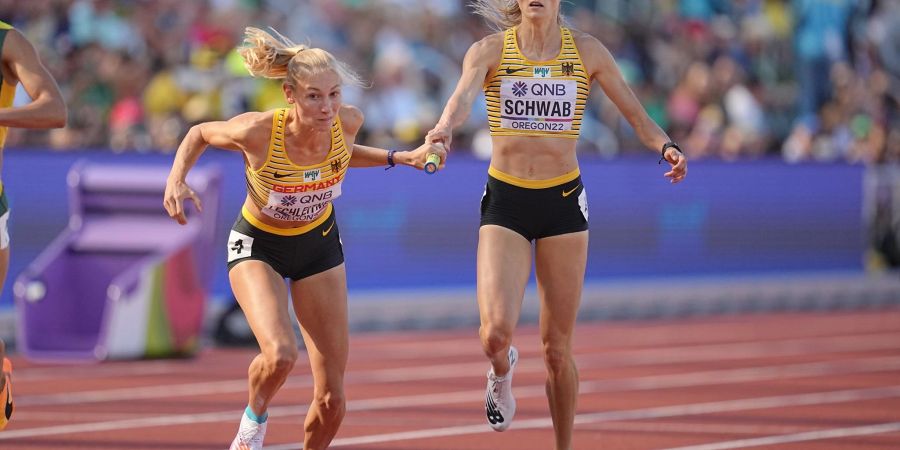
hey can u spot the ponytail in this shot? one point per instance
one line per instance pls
(278, 57)
(265, 55)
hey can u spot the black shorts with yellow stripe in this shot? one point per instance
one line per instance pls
(535, 208)
(294, 253)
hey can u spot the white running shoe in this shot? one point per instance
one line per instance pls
(499, 403)
(250, 435)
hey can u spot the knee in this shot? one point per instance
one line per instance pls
(331, 405)
(557, 358)
(495, 339)
(281, 360)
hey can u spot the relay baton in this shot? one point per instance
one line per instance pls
(432, 161)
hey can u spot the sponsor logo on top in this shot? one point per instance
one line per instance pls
(542, 72)
(311, 175)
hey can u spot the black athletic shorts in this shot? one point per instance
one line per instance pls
(535, 208)
(293, 253)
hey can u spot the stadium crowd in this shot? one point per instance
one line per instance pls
(803, 79)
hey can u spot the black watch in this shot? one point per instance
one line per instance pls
(666, 146)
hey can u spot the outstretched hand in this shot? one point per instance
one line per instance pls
(173, 199)
(440, 133)
(678, 161)
(419, 156)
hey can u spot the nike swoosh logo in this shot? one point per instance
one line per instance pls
(568, 193)
(325, 232)
(510, 71)
(282, 175)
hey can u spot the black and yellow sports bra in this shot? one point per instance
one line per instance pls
(7, 89)
(287, 191)
(537, 98)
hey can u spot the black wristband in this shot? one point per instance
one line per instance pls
(666, 146)
(390, 159)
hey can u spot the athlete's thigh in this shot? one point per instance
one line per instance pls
(263, 297)
(559, 265)
(504, 264)
(320, 302)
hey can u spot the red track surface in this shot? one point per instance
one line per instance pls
(793, 381)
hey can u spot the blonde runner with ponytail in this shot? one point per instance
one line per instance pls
(295, 159)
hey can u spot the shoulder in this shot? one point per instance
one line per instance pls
(15, 45)
(486, 52)
(587, 45)
(351, 119)
(251, 126)
(491, 44)
(593, 53)
(253, 120)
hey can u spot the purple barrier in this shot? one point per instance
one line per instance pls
(123, 280)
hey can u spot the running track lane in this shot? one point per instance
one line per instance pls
(791, 381)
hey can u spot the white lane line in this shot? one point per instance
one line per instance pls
(446, 345)
(652, 382)
(747, 350)
(468, 346)
(694, 427)
(65, 417)
(112, 425)
(747, 374)
(530, 391)
(634, 414)
(655, 356)
(816, 435)
(135, 393)
(608, 358)
(98, 370)
(712, 352)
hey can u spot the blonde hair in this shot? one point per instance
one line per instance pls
(277, 57)
(503, 14)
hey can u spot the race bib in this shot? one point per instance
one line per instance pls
(239, 246)
(537, 104)
(295, 204)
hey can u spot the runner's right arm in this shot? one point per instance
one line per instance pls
(482, 57)
(230, 135)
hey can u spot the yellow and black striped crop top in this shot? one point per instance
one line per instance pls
(537, 98)
(7, 89)
(287, 191)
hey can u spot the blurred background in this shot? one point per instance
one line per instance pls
(788, 111)
(797, 80)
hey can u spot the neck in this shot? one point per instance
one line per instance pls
(539, 39)
(294, 127)
(307, 142)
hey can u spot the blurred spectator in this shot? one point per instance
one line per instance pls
(820, 36)
(805, 79)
